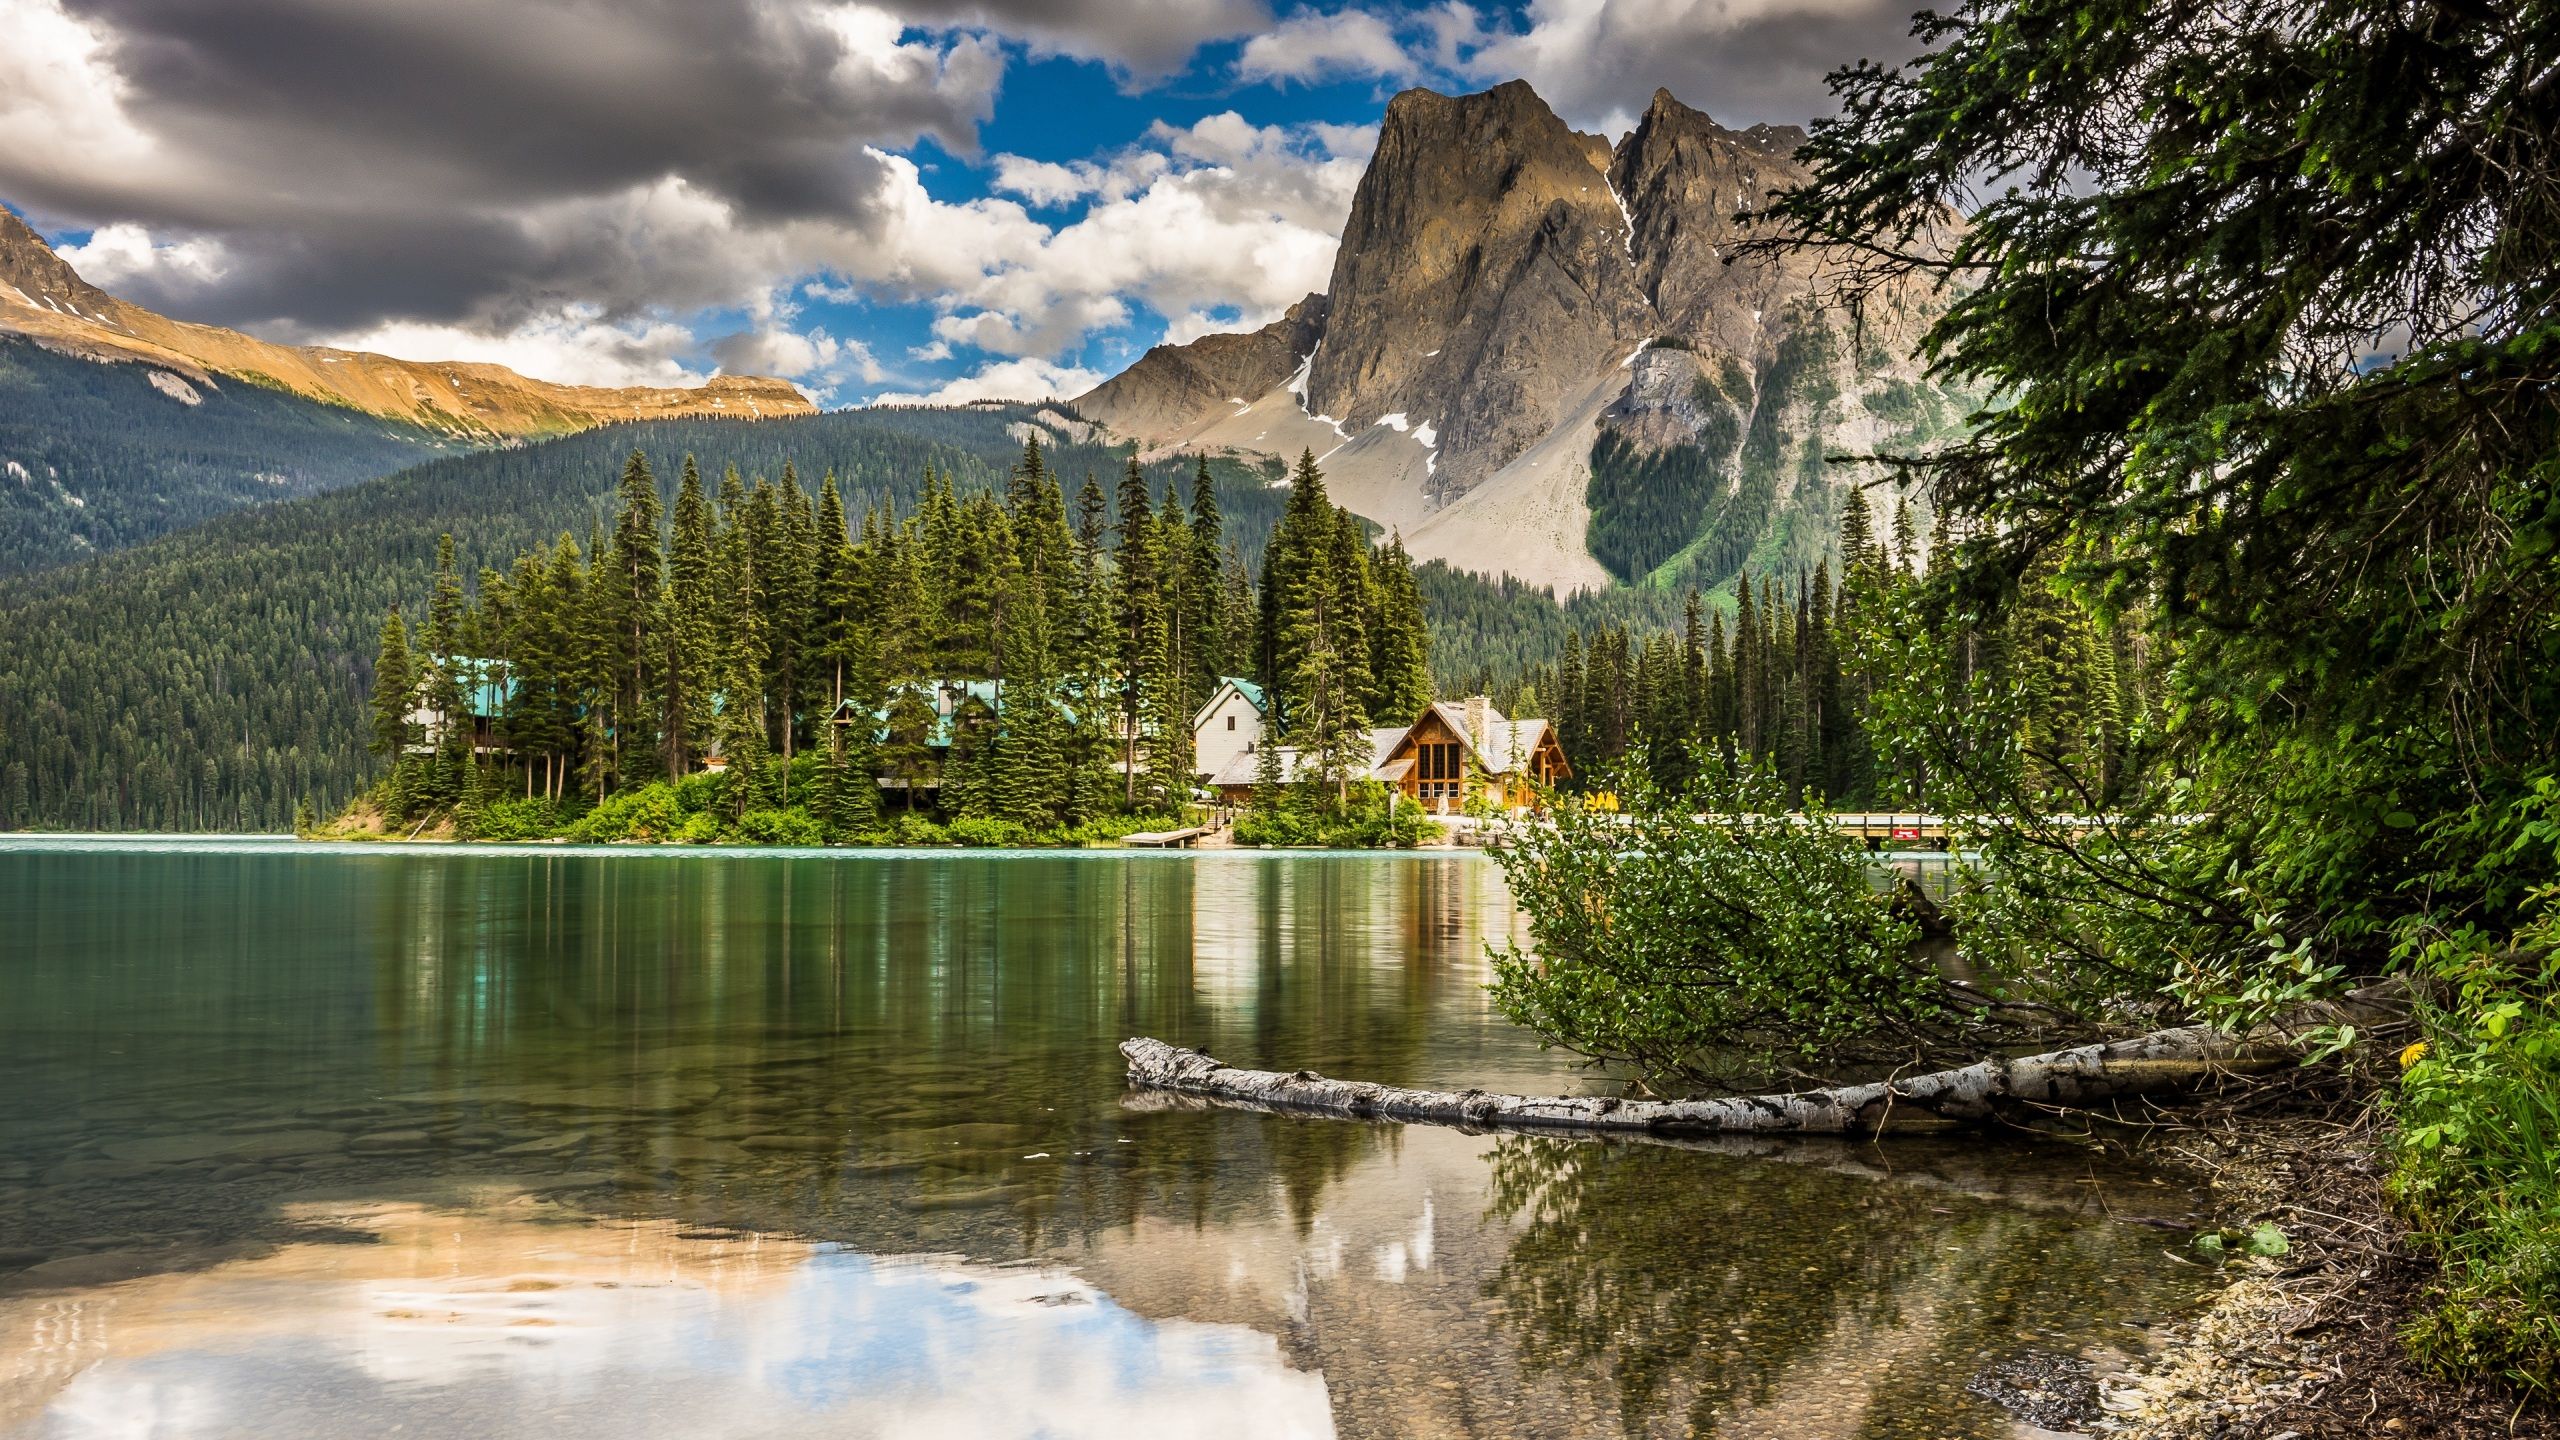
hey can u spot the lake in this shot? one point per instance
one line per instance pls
(305, 1140)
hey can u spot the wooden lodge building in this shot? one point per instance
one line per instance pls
(1454, 754)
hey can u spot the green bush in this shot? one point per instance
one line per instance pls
(1700, 938)
(1103, 829)
(984, 833)
(649, 813)
(2477, 1172)
(794, 826)
(705, 792)
(698, 829)
(1374, 818)
(917, 830)
(518, 820)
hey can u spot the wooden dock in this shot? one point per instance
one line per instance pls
(1183, 839)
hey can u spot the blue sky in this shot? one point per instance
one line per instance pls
(937, 199)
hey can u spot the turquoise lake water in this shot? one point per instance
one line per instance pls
(304, 1140)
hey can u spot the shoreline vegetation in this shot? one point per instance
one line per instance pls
(2182, 234)
(2326, 573)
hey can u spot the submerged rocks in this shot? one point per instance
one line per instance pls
(188, 1148)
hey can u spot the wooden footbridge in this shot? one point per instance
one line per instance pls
(1878, 827)
(1186, 838)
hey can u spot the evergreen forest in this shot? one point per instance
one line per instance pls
(753, 662)
(215, 678)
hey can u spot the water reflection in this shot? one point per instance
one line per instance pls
(222, 1062)
(1806, 1304)
(503, 1323)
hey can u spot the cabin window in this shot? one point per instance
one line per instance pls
(1231, 722)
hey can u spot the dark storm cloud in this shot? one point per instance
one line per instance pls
(518, 100)
(1148, 38)
(367, 158)
(1742, 61)
(1772, 68)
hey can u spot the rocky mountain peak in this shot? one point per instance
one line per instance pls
(43, 278)
(1172, 386)
(1548, 356)
(1687, 181)
(1483, 273)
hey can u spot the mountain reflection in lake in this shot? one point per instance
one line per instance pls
(319, 1141)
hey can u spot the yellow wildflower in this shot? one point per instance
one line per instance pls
(2413, 1054)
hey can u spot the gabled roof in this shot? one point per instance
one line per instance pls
(1505, 746)
(946, 697)
(1511, 744)
(1251, 692)
(1245, 769)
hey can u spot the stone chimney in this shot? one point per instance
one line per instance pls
(1478, 707)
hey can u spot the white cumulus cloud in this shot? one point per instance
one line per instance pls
(1026, 378)
(1313, 46)
(119, 257)
(575, 345)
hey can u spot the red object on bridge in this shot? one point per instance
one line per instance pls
(1906, 832)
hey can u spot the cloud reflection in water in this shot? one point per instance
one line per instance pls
(474, 1325)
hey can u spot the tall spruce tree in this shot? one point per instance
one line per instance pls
(1138, 631)
(638, 572)
(687, 628)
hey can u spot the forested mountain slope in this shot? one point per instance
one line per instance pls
(97, 457)
(210, 679)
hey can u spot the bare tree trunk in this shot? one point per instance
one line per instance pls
(2163, 1061)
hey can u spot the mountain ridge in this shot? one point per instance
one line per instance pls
(43, 298)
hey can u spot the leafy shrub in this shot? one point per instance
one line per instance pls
(1373, 819)
(1103, 829)
(518, 820)
(698, 829)
(984, 833)
(793, 826)
(1698, 936)
(649, 813)
(917, 830)
(2477, 1172)
(705, 792)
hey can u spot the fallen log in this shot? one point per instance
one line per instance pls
(2164, 1061)
(2049, 1181)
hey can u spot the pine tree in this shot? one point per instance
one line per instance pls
(1318, 585)
(1138, 629)
(1205, 590)
(1400, 642)
(1572, 730)
(1030, 766)
(687, 629)
(394, 688)
(638, 569)
(744, 650)
(447, 677)
(906, 756)
(793, 565)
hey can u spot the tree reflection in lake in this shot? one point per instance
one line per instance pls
(206, 1046)
(1762, 1298)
